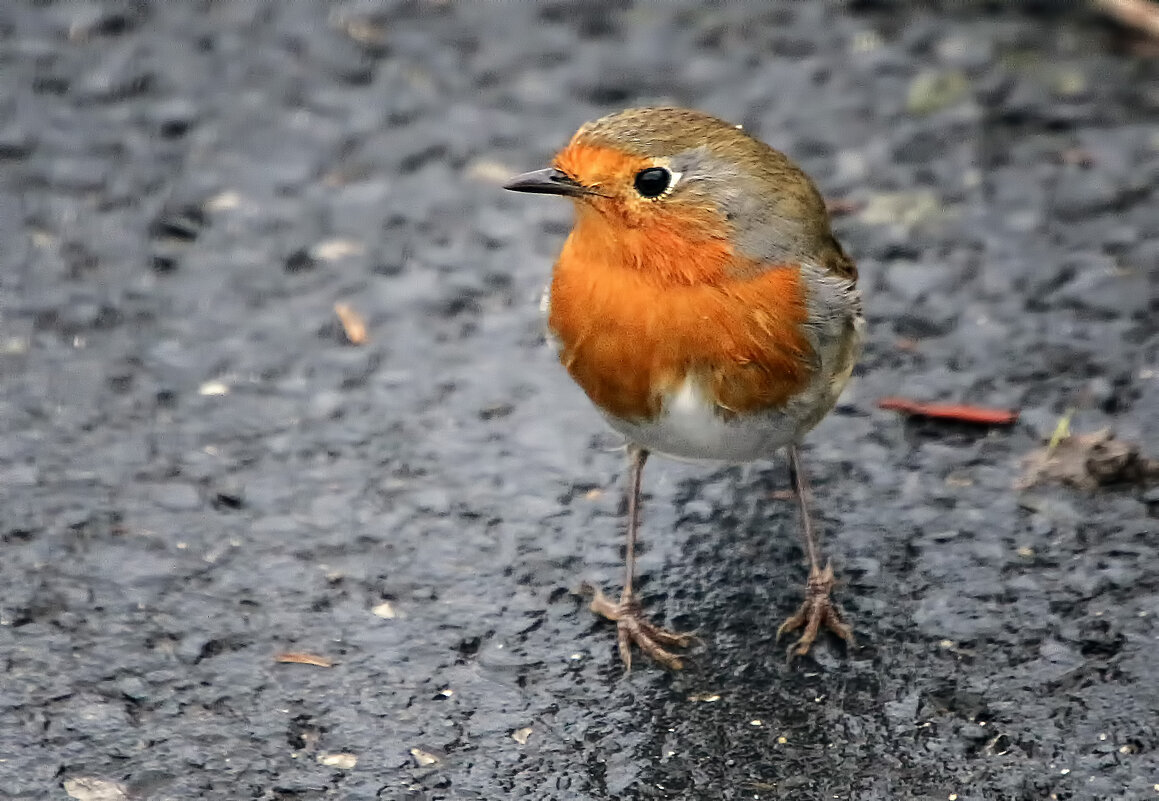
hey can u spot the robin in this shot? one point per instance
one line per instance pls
(703, 304)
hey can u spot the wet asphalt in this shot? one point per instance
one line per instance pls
(199, 474)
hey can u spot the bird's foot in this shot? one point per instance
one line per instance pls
(633, 627)
(817, 611)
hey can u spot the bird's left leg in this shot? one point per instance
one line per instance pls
(818, 609)
(631, 625)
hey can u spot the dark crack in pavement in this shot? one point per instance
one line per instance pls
(199, 473)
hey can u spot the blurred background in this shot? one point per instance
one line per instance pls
(295, 499)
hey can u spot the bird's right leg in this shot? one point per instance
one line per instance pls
(631, 625)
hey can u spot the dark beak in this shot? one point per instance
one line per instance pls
(547, 182)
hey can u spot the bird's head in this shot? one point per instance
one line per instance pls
(660, 173)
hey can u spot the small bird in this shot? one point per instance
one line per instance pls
(703, 304)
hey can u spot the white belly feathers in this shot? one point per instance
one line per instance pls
(691, 427)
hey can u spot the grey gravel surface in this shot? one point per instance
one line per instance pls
(197, 473)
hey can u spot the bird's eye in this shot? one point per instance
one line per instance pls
(653, 182)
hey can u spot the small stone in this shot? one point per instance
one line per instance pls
(212, 388)
(334, 249)
(224, 201)
(932, 91)
(433, 500)
(974, 732)
(90, 788)
(133, 688)
(385, 610)
(341, 761)
(901, 208)
(423, 758)
(176, 497)
(488, 171)
(904, 711)
(20, 475)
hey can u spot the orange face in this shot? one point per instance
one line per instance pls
(612, 176)
(677, 242)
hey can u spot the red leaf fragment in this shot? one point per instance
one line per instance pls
(958, 412)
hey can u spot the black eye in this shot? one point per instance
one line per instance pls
(653, 182)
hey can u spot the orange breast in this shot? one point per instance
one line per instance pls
(639, 311)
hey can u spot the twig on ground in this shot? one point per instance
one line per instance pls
(1142, 15)
(300, 658)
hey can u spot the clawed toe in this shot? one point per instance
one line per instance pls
(816, 612)
(633, 628)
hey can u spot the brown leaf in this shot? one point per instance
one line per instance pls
(839, 206)
(353, 326)
(1088, 461)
